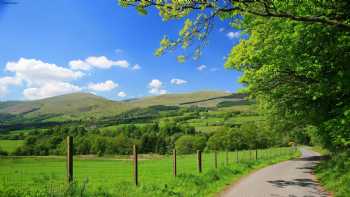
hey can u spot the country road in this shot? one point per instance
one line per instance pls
(292, 178)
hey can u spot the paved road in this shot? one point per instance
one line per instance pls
(292, 178)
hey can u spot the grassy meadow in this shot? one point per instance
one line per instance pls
(33, 174)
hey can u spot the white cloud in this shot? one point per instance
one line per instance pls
(100, 62)
(36, 72)
(79, 65)
(103, 62)
(136, 67)
(156, 87)
(201, 67)
(178, 81)
(50, 89)
(5, 82)
(122, 94)
(42, 79)
(233, 35)
(222, 29)
(104, 86)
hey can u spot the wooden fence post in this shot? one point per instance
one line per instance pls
(199, 160)
(69, 159)
(216, 159)
(136, 173)
(256, 154)
(237, 159)
(174, 162)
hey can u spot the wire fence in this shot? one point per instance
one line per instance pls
(54, 174)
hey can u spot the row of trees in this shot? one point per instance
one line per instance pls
(158, 138)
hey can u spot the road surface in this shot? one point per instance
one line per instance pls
(291, 178)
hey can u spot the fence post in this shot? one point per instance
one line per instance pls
(237, 160)
(256, 154)
(69, 159)
(199, 160)
(136, 173)
(216, 159)
(174, 162)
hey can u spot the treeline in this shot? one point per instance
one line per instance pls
(158, 138)
(152, 138)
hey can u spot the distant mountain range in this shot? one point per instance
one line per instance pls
(79, 106)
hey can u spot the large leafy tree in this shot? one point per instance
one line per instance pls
(295, 60)
(300, 73)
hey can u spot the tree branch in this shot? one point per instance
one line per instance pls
(244, 6)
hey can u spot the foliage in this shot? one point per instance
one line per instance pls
(10, 145)
(189, 144)
(298, 72)
(200, 17)
(3, 152)
(248, 136)
(334, 174)
(153, 138)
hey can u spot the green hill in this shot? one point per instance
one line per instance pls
(78, 106)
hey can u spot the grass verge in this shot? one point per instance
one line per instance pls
(334, 174)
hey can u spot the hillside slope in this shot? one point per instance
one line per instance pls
(84, 105)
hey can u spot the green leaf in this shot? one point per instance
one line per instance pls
(141, 10)
(181, 58)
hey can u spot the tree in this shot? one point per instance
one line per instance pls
(99, 145)
(217, 140)
(189, 144)
(299, 74)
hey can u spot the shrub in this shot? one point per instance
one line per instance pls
(3, 152)
(189, 143)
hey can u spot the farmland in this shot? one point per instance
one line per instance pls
(106, 173)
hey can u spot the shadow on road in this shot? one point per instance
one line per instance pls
(312, 158)
(308, 183)
(294, 182)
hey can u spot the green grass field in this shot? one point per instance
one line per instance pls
(35, 172)
(10, 145)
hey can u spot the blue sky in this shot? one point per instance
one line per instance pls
(55, 47)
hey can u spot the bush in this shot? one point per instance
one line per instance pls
(3, 152)
(189, 143)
